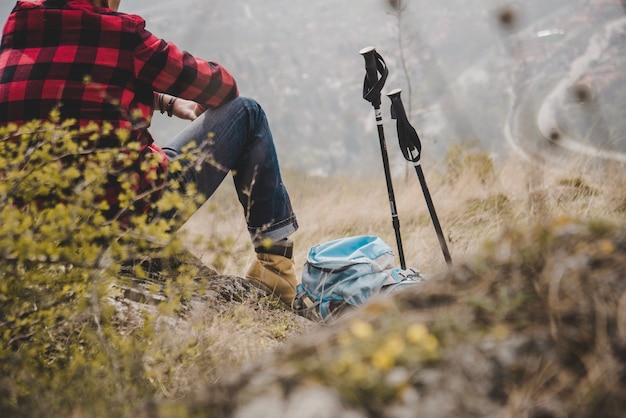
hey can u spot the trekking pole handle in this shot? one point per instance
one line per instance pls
(394, 95)
(371, 71)
(397, 107)
(408, 139)
(373, 85)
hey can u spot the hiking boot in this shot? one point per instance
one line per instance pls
(274, 273)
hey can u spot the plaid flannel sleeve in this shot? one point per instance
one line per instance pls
(171, 70)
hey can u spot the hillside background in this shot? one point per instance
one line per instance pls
(470, 75)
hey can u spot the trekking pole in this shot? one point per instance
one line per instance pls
(372, 86)
(411, 150)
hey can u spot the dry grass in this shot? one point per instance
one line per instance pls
(510, 327)
(474, 205)
(475, 201)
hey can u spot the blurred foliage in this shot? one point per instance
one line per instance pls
(367, 362)
(533, 326)
(466, 159)
(62, 346)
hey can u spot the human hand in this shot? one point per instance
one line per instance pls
(186, 109)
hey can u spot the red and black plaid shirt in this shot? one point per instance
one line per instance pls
(97, 65)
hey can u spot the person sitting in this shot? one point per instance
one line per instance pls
(96, 64)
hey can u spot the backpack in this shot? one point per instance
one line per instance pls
(344, 273)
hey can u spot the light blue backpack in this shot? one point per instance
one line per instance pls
(346, 272)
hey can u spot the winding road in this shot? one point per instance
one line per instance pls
(547, 121)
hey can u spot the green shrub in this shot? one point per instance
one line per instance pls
(62, 347)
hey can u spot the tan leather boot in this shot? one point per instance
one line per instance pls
(274, 274)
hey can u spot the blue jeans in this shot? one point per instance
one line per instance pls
(236, 137)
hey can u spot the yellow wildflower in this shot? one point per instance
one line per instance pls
(361, 329)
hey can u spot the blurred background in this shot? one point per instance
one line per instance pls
(538, 78)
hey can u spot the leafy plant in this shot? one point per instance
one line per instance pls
(61, 250)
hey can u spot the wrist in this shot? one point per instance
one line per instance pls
(170, 107)
(160, 102)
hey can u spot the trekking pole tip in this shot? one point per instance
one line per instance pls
(367, 50)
